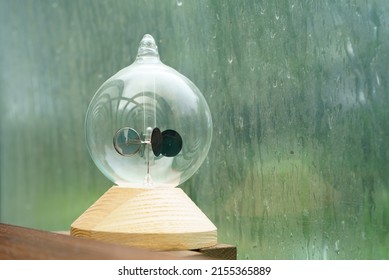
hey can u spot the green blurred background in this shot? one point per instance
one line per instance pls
(298, 89)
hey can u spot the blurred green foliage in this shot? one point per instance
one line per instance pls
(299, 164)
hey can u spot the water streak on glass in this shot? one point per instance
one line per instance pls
(298, 90)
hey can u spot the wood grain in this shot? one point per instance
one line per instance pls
(159, 218)
(30, 244)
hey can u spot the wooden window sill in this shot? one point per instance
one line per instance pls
(31, 244)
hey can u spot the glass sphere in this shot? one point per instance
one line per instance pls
(148, 125)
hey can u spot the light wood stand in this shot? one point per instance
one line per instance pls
(158, 218)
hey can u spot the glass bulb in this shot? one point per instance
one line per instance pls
(148, 125)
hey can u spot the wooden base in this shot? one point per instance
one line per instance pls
(159, 218)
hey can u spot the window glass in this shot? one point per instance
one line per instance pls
(299, 94)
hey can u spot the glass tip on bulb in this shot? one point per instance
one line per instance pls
(147, 48)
